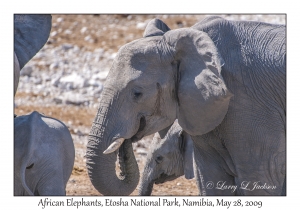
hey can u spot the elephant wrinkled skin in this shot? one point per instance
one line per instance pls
(225, 82)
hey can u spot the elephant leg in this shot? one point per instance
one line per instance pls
(52, 183)
(283, 192)
(211, 171)
(53, 189)
(265, 177)
(258, 149)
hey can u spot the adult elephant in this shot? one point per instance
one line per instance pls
(225, 83)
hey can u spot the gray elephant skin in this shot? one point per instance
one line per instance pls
(30, 34)
(167, 159)
(225, 82)
(43, 155)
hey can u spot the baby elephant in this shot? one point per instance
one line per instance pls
(169, 157)
(43, 155)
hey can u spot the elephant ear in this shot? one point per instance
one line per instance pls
(155, 27)
(187, 150)
(162, 133)
(30, 34)
(202, 95)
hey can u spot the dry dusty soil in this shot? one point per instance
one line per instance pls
(108, 32)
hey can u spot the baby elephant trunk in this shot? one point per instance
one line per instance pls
(146, 187)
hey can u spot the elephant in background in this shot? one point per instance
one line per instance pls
(168, 158)
(225, 82)
(43, 155)
(30, 34)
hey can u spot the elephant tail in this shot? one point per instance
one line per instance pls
(32, 140)
(23, 180)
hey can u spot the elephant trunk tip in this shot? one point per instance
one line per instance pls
(145, 188)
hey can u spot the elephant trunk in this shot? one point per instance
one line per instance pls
(146, 188)
(147, 181)
(102, 167)
(16, 73)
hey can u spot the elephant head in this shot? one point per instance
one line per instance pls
(168, 158)
(165, 75)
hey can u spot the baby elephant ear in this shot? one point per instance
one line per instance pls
(30, 34)
(155, 27)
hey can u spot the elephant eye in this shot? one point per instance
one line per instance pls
(159, 159)
(29, 167)
(137, 94)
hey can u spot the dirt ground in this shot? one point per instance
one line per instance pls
(109, 32)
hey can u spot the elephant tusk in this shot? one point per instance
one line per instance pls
(114, 146)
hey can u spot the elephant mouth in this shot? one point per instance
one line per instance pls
(139, 134)
(119, 141)
(164, 178)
